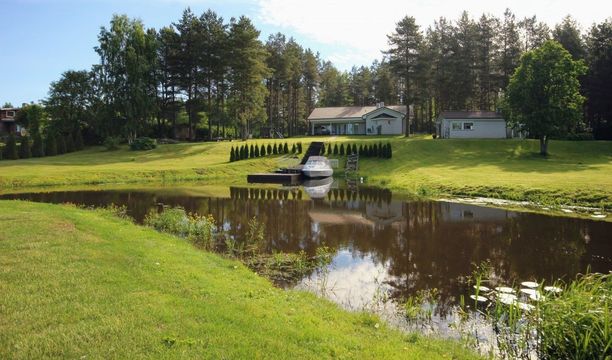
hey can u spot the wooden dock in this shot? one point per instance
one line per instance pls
(275, 178)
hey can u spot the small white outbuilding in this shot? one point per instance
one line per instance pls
(472, 125)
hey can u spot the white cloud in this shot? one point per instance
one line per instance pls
(357, 29)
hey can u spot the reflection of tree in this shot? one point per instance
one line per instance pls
(423, 244)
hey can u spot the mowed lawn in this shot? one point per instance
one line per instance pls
(576, 172)
(84, 284)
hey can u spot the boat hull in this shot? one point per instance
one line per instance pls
(318, 173)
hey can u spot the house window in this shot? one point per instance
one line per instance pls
(468, 126)
(456, 125)
(10, 113)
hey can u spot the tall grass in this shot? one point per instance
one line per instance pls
(197, 229)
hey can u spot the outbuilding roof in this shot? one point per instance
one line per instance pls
(340, 112)
(470, 115)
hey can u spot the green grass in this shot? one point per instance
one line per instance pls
(85, 284)
(577, 173)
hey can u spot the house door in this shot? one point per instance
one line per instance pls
(379, 130)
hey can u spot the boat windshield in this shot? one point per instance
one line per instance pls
(315, 163)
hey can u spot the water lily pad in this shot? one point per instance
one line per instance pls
(526, 307)
(479, 298)
(482, 288)
(505, 289)
(553, 289)
(506, 298)
(529, 284)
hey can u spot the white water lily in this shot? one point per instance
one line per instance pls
(553, 289)
(482, 288)
(506, 298)
(479, 298)
(526, 307)
(505, 289)
(529, 292)
(529, 284)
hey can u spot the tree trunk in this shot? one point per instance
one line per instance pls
(543, 145)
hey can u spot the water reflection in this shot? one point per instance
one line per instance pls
(404, 245)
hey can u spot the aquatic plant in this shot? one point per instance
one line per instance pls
(197, 229)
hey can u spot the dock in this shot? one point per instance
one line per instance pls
(275, 178)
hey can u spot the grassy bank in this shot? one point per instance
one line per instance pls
(81, 283)
(576, 173)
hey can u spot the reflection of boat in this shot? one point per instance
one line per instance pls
(317, 167)
(318, 188)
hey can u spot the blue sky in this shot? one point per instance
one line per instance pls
(43, 38)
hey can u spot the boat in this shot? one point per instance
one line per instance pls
(318, 188)
(317, 167)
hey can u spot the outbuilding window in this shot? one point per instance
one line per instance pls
(468, 126)
(10, 113)
(456, 125)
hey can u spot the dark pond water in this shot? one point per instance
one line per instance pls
(384, 244)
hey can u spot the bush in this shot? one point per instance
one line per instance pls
(341, 151)
(299, 148)
(262, 151)
(293, 149)
(256, 151)
(232, 157)
(50, 145)
(61, 144)
(79, 144)
(252, 151)
(38, 149)
(143, 143)
(285, 149)
(269, 149)
(246, 151)
(197, 229)
(24, 149)
(329, 149)
(322, 150)
(10, 149)
(335, 149)
(112, 143)
(580, 137)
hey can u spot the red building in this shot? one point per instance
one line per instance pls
(7, 121)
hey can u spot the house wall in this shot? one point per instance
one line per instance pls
(388, 126)
(481, 129)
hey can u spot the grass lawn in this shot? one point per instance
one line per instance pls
(84, 284)
(578, 172)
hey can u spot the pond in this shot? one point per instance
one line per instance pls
(384, 247)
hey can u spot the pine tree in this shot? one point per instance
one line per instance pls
(252, 151)
(293, 149)
(50, 145)
(361, 150)
(256, 151)
(285, 149)
(274, 149)
(61, 144)
(323, 150)
(78, 140)
(341, 152)
(69, 143)
(335, 149)
(24, 149)
(389, 151)
(329, 149)
(299, 146)
(262, 151)
(269, 152)
(10, 150)
(232, 155)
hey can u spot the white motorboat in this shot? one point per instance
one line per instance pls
(317, 167)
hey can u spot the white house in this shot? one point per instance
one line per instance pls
(358, 120)
(472, 125)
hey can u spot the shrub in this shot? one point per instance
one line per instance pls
(329, 149)
(341, 151)
(246, 151)
(354, 149)
(389, 151)
(197, 229)
(1, 151)
(112, 143)
(24, 149)
(10, 150)
(299, 148)
(231, 159)
(285, 149)
(269, 149)
(274, 149)
(79, 144)
(252, 151)
(50, 145)
(335, 149)
(61, 144)
(580, 137)
(69, 143)
(143, 143)
(256, 151)
(37, 146)
(262, 150)
(293, 149)
(322, 150)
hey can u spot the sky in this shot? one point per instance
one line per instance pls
(41, 39)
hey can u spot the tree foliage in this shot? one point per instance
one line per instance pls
(543, 96)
